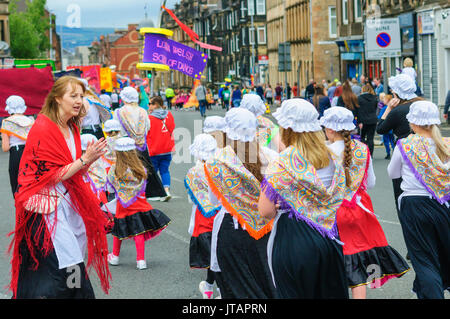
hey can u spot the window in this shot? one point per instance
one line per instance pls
(243, 32)
(251, 7)
(251, 35)
(358, 10)
(243, 9)
(345, 11)
(261, 35)
(332, 23)
(260, 7)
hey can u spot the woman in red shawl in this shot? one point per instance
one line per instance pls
(58, 218)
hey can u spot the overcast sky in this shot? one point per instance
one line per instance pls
(104, 13)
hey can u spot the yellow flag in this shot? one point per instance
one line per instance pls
(106, 79)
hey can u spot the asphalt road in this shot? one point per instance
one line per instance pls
(168, 275)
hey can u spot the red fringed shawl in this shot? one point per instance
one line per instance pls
(44, 162)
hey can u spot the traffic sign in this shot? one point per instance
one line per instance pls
(382, 39)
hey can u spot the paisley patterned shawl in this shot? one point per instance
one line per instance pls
(197, 188)
(267, 130)
(358, 170)
(18, 126)
(96, 175)
(426, 166)
(103, 110)
(137, 131)
(110, 155)
(128, 189)
(238, 191)
(292, 182)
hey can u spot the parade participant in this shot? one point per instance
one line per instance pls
(365, 243)
(267, 130)
(301, 193)
(134, 217)
(240, 234)
(394, 117)
(160, 141)
(97, 113)
(112, 131)
(367, 116)
(14, 135)
(203, 211)
(136, 124)
(423, 160)
(216, 127)
(58, 218)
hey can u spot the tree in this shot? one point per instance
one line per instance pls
(28, 30)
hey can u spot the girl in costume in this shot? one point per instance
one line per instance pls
(239, 233)
(365, 242)
(58, 218)
(136, 124)
(203, 211)
(301, 192)
(267, 130)
(422, 160)
(134, 217)
(112, 132)
(215, 126)
(14, 135)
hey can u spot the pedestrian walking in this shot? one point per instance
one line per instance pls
(15, 129)
(216, 127)
(58, 218)
(422, 161)
(367, 116)
(203, 211)
(447, 107)
(365, 245)
(200, 93)
(278, 93)
(269, 95)
(160, 141)
(388, 139)
(134, 217)
(320, 100)
(115, 102)
(306, 174)
(226, 97)
(135, 123)
(170, 94)
(236, 97)
(239, 236)
(309, 91)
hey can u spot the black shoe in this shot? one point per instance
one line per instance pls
(388, 157)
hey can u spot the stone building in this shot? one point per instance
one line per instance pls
(310, 28)
(4, 22)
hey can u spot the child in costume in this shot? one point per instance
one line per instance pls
(14, 135)
(365, 244)
(203, 211)
(422, 160)
(301, 193)
(112, 131)
(134, 216)
(239, 234)
(215, 126)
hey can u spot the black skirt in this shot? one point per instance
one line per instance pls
(305, 264)
(243, 263)
(140, 223)
(200, 251)
(154, 187)
(15, 154)
(426, 229)
(48, 281)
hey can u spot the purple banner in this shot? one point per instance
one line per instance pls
(179, 57)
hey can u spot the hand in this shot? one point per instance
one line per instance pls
(360, 126)
(94, 151)
(393, 103)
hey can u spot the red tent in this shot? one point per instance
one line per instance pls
(32, 84)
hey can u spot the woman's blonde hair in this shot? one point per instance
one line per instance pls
(442, 150)
(368, 88)
(112, 133)
(129, 160)
(310, 144)
(60, 87)
(408, 63)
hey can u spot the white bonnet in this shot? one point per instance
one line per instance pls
(254, 104)
(15, 105)
(203, 147)
(214, 123)
(124, 144)
(112, 125)
(423, 113)
(338, 118)
(404, 86)
(85, 139)
(299, 115)
(241, 125)
(129, 95)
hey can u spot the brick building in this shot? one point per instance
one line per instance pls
(309, 27)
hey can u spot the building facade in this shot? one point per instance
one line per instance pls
(310, 28)
(4, 22)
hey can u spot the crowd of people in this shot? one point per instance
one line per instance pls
(83, 169)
